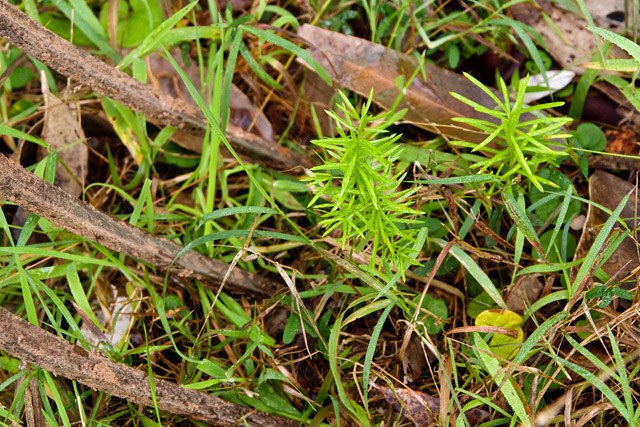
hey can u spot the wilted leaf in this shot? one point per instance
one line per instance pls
(415, 357)
(420, 408)
(622, 141)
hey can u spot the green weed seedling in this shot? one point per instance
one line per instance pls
(517, 148)
(357, 190)
(587, 138)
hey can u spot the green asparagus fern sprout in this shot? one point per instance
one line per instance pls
(358, 192)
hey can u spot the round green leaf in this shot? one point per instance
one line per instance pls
(590, 137)
(502, 345)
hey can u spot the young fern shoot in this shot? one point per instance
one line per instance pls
(357, 191)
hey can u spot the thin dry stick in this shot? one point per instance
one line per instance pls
(34, 345)
(80, 66)
(23, 188)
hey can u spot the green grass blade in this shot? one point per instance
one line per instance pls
(27, 297)
(522, 221)
(546, 300)
(466, 179)
(227, 81)
(597, 246)
(286, 44)
(596, 382)
(506, 385)
(622, 374)
(257, 68)
(371, 349)
(334, 358)
(536, 336)
(57, 398)
(139, 205)
(623, 43)
(219, 213)
(476, 272)
(21, 135)
(44, 253)
(79, 295)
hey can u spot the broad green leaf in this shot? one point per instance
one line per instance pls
(502, 345)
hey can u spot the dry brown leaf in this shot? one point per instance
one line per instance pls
(318, 96)
(415, 358)
(422, 409)
(566, 37)
(524, 292)
(622, 141)
(619, 141)
(63, 133)
(608, 190)
(360, 66)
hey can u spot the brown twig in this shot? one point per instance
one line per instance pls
(34, 345)
(23, 188)
(80, 66)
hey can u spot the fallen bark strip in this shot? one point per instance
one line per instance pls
(29, 343)
(80, 66)
(23, 188)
